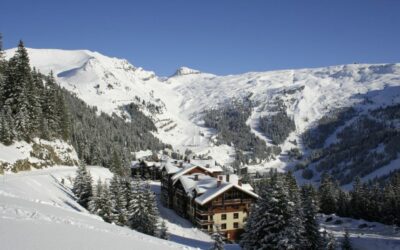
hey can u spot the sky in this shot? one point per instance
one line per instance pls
(216, 36)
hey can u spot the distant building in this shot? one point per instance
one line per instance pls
(146, 169)
(207, 198)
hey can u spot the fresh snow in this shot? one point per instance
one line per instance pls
(308, 94)
(21, 150)
(36, 205)
(374, 236)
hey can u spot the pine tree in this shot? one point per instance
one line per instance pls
(270, 225)
(105, 205)
(50, 108)
(137, 209)
(328, 198)
(94, 203)
(151, 210)
(343, 204)
(346, 244)
(218, 240)
(3, 65)
(358, 202)
(16, 86)
(82, 187)
(310, 210)
(329, 242)
(6, 131)
(119, 211)
(163, 234)
(65, 123)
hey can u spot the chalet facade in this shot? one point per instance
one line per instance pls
(207, 198)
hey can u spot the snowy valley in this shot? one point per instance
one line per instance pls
(342, 120)
(316, 100)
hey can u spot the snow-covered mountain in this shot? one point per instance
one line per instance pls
(306, 94)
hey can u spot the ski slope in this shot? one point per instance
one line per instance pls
(38, 212)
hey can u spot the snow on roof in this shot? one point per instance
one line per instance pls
(208, 188)
(188, 167)
(199, 162)
(214, 192)
(170, 168)
(190, 183)
(247, 186)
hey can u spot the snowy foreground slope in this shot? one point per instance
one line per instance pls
(308, 95)
(38, 212)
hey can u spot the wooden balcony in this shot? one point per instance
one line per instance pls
(203, 212)
(204, 222)
(231, 202)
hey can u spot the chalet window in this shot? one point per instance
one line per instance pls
(235, 225)
(223, 226)
(211, 217)
(223, 216)
(236, 215)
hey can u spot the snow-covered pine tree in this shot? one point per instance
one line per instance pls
(138, 209)
(152, 214)
(105, 204)
(18, 77)
(328, 195)
(64, 125)
(296, 221)
(163, 231)
(270, 225)
(50, 106)
(346, 243)
(116, 164)
(218, 239)
(343, 203)
(311, 226)
(6, 131)
(328, 241)
(119, 211)
(94, 203)
(126, 184)
(3, 65)
(82, 187)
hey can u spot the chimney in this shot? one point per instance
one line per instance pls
(196, 177)
(240, 182)
(227, 178)
(218, 183)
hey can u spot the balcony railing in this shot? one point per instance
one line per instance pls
(203, 212)
(204, 222)
(232, 201)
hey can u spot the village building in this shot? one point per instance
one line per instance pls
(207, 198)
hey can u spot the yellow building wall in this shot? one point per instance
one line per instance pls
(217, 218)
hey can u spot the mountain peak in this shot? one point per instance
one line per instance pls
(185, 71)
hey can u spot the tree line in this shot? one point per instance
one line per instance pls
(370, 201)
(32, 105)
(124, 202)
(285, 216)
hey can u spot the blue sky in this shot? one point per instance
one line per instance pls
(217, 36)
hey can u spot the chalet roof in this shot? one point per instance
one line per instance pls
(187, 168)
(170, 168)
(216, 191)
(207, 187)
(190, 183)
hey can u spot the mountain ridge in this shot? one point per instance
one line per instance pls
(305, 95)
